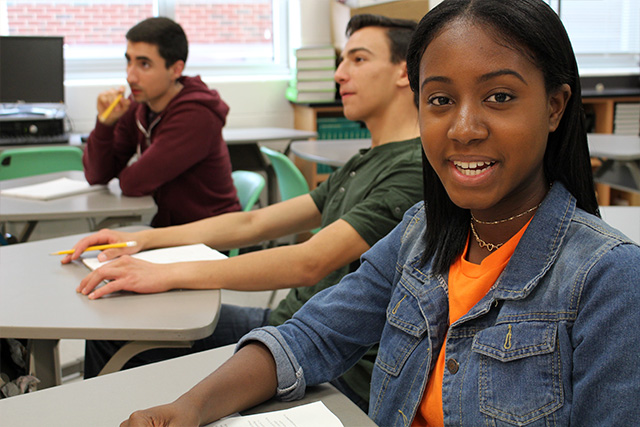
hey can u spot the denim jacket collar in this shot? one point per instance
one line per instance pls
(541, 248)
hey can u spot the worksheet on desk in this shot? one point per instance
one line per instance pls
(196, 252)
(314, 414)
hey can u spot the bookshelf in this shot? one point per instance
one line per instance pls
(305, 117)
(600, 111)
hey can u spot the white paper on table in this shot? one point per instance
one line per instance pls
(55, 189)
(196, 252)
(314, 414)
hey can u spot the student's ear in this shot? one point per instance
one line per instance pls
(176, 69)
(403, 75)
(557, 104)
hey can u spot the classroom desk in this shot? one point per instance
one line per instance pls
(332, 152)
(245, 152)
(110, 204)
(40, 303)
(244, 149)
(109, 400)
(620, 156)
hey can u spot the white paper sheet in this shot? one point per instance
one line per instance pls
(197, 252)
(49, 190)
(314, 414)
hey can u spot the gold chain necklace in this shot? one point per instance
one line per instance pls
(503, 220)
(490, 246)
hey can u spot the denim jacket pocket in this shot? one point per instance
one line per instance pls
(402, 333)
(519, 378)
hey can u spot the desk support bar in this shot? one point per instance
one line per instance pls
(44, 362)
(132, 348)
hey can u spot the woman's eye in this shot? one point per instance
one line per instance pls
(439, 100)
(500, 97)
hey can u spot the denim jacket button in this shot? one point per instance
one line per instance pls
(453, 366)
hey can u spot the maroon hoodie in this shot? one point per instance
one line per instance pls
(183, 163)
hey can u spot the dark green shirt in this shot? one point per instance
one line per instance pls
(371, 192)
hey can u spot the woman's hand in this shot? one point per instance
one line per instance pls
(163, 416)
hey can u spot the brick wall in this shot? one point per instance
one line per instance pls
(94, 22)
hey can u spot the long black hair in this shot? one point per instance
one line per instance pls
(534, 29)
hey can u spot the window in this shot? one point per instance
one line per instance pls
(225, 36)
(605, 34)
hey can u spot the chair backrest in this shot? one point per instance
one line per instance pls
(291, 182)
(29, 161)
(249, 185)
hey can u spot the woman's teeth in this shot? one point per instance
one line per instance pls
(472, 168)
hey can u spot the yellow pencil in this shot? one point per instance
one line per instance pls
(99, 247)
(110, 108)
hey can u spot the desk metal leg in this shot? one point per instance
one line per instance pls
(27, 230)
(44, 362)
(132, 348)
(272, 188)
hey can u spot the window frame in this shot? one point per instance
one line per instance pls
(113, 67)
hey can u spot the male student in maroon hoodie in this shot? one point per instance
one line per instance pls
(172, 126)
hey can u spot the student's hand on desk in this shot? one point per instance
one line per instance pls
(103, 237)
(127, 274)
(165, 416)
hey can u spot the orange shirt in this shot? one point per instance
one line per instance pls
(468, 284)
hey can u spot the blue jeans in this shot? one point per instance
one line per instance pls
(234, 322)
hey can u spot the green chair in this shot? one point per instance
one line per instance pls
(249, 185)
(291, 182)
(29, 161)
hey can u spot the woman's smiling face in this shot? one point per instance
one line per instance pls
(485, 117)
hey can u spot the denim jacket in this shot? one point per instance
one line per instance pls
(555, 342)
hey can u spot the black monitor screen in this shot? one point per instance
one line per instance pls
(31, 69)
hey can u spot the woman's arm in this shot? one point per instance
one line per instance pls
(245, 380)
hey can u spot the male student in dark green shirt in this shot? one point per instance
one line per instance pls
(358, 204)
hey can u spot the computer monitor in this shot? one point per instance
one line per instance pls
(31, 69)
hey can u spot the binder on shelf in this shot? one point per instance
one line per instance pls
(314, 85)
(305, 75)
(312, 80)
(294, 95)
(316, 64)
(324, 51)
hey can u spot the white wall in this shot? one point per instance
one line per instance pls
(254, 102)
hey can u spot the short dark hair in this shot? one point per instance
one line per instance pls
(399, 32)
(534, 29)
(164, 33)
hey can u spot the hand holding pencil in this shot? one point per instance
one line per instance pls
(112, 105)
(112, 244)
(98, 247)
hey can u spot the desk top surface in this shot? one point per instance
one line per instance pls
(110, 399)
(616, 147)
(40, 301)
(108, 202)
(332, 152)
(253, 135)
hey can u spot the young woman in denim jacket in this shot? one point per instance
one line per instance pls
(552, 337)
